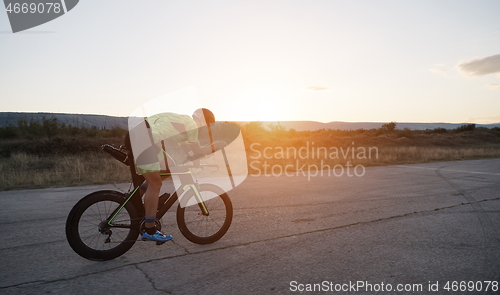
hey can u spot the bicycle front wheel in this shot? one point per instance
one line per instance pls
(205, 229)
(89, 233)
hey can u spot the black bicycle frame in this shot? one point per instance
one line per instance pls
(166, 201)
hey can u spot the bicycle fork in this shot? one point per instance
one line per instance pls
(199, 199)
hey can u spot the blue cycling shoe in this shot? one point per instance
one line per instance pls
(158, 237)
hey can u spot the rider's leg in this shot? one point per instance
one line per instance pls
(151, 196)
(154, 183)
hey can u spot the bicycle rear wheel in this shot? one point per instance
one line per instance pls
(205, 229)
(89, 233)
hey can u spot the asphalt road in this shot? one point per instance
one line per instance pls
(413, 227)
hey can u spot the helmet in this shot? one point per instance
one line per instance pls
(204, 114)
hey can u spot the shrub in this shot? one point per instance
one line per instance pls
(389, 126)
(439, 130)
(466, 127)
(404, 133)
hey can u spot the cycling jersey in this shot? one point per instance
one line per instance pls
(166, 129)
(181, 129)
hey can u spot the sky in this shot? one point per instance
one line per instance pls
(317, 60)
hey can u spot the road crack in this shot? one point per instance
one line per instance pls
(180, 246)
(489, 230)
(151, 280)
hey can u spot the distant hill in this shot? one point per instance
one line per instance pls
(312, 125)
(80, 120)
(108, 122)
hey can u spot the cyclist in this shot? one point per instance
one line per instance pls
(182, 130)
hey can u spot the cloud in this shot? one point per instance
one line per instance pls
(481, 66)
(316, 88)
(494, 86)
(440, 68)
(437, 70)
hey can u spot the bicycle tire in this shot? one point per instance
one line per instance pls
(201, 229)
(86, 229)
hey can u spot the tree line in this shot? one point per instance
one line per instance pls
(52, 127)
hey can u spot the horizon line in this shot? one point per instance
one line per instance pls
(401, 122)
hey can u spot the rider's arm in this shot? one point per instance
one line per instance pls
(191, 148)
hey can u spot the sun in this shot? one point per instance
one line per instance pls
(267, 110)
(260, 104)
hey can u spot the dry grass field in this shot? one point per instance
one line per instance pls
(22, 170)
(72, 161)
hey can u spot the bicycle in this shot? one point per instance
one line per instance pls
(105, 224)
